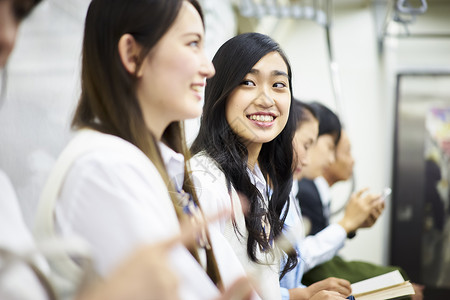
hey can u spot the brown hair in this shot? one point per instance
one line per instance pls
(108, 101)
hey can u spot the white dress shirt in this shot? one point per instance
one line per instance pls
(17, 281)
(115, 199)
(294, 232)
(312, 250)
(324, 194)
(214, 197)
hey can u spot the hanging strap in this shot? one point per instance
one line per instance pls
(405, 7)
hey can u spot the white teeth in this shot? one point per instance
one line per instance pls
(261, 118)
(197, 88)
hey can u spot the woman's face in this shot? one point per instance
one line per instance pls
(305, 137)
(173, 74)
(258, 109)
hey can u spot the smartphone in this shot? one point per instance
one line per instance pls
(385, 195)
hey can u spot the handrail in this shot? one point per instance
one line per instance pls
(403, 6)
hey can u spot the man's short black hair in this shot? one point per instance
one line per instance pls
(328, 121)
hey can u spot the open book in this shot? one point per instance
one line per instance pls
(387, 286)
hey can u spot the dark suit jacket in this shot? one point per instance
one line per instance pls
(311, 205)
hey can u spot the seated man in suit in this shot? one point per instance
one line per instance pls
(329, 163)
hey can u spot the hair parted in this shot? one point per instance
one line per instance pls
(232, 62)
(108, 101)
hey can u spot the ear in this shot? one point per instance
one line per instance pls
(129, 51)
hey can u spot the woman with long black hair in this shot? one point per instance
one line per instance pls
(244, 151)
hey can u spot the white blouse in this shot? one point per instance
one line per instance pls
(114, 198)
(214, 197)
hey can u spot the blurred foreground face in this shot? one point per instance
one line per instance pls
(342, 167)
(8, 30)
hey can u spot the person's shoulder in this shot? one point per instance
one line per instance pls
(207, 170)
(92, 140)
(94, 146)
(93, 155)
(109, 167)
(202, 162)
(208, 177)
(306, 186)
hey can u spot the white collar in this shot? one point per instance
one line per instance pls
(257, 178)
(324, 190)
(174, 163)
(294, 189)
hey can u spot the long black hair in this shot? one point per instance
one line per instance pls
(303, 112)
(232, 62)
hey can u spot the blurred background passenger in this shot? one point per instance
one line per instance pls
(307, 128)
(145, 274)
(331, 161)
(244, 151)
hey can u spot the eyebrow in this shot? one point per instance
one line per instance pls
(273, 73)
(193, 33)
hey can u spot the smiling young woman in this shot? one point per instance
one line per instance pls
(143, 71)
(244, 147)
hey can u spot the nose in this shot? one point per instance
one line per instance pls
(8, 32)
(305, 161)
(264, 98)
(207, 68)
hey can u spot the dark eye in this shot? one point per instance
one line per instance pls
(248, 83)
(279, 85)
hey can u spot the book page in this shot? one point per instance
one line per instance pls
(377, 282)
(403, 289)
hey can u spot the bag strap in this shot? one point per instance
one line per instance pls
(66, 270)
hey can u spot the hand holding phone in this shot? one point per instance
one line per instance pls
(385, 195)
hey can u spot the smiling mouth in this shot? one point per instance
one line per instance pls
(197, 88)
(261, 118)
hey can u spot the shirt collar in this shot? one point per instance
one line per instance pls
(294, 189)
(257, 178)
(174, 163)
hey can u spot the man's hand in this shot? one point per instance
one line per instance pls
(362, 210)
